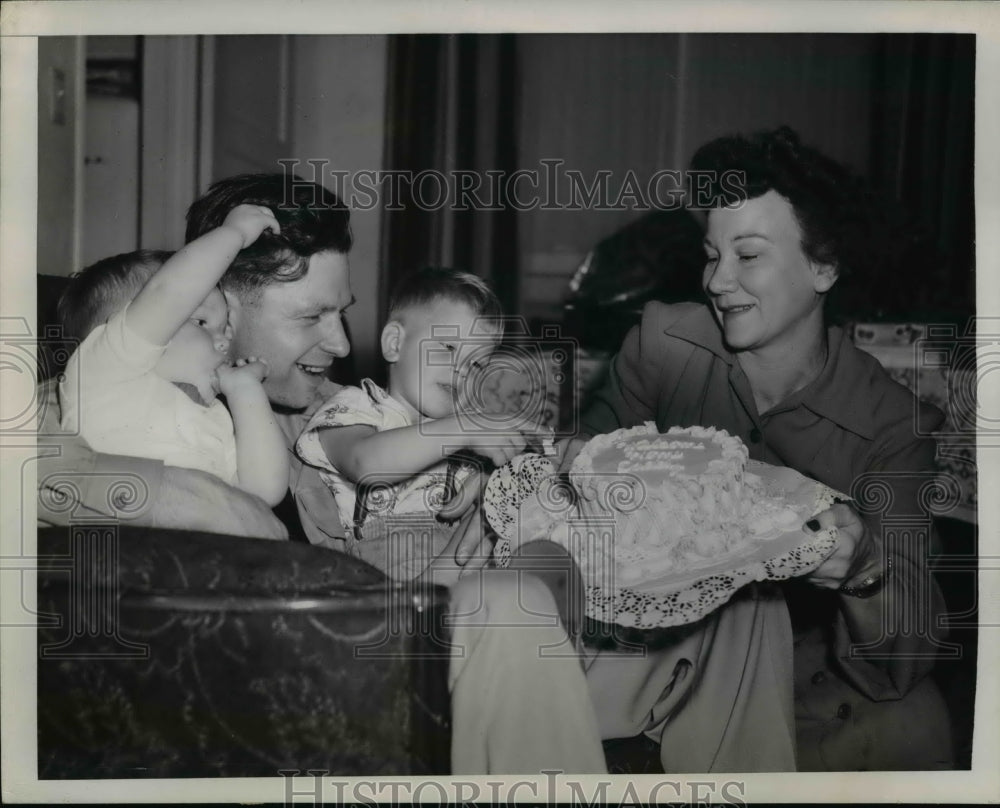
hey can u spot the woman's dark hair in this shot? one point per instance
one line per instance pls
(868, 236)
(312, 220)
(832, 205)
(846, 222)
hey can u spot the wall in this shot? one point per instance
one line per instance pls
(60, 154)
(77, 223)
(819, 84)
(319, 98)
(111, 208)
(640, 103)
(169, 165)
(338, 116)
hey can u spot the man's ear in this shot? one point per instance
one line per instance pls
(824, 276)
(392, 340)
(235, 312)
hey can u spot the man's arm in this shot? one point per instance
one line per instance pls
(195, 500)
(75, 482)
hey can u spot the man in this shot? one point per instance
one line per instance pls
(513, 710)
(287, 300)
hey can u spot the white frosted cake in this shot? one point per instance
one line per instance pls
(652, 502)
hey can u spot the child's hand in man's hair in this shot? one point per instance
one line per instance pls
(250, 221)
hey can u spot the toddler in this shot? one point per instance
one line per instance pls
(389, 456)
(155, 334)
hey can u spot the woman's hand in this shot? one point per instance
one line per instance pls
(856, 553)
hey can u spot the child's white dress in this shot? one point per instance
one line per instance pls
(392, 526)
(120, 406)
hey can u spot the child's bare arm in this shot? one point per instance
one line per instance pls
(359, 452)
(171, 296)
(261, 453)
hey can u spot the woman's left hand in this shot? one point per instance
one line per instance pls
(855, 552)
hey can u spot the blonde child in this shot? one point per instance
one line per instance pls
(153, 359)
(389, 456)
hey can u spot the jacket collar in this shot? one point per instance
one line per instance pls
(834, 393)
(831, 395)
(698, 326)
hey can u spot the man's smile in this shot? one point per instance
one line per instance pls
(313, 370)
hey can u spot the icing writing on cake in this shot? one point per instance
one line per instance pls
(696, 502)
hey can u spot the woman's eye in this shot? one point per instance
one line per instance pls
(748, 257)
(199, 322)
(711, 259)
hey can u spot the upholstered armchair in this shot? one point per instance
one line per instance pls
(172, 654)
(179, 654)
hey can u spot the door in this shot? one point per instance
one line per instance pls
(252, 77)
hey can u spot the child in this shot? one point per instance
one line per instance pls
(145, 379)
(395, 443)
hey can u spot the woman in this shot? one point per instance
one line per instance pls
(760, 361)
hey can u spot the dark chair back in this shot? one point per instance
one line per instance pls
(54, 349)
(168, 654)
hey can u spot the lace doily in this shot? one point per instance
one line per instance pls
(683, 596)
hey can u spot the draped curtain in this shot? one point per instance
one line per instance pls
(451, 107)
(899, 107)
(923, 139)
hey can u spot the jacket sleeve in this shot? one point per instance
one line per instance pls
(887, 643)
(629, 395)
(76, 483)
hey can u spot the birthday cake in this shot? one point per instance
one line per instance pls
(646, 502)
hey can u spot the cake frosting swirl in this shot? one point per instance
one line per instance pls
(651, 502)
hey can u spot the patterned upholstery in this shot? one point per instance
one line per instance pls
(169, 654)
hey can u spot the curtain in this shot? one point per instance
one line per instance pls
(923, 140)
(902, 103)
(451, 108)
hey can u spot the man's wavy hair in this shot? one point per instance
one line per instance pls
(312, 220)
(842, 223)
